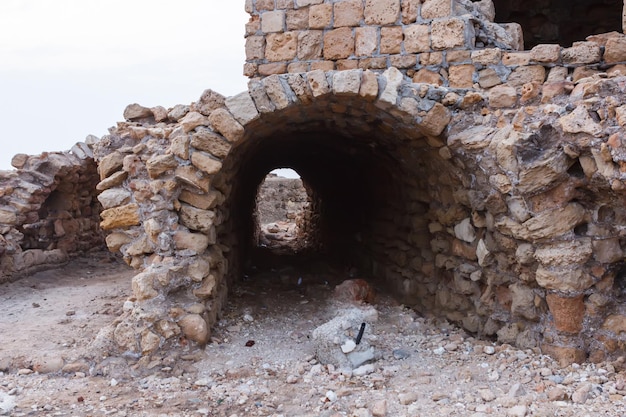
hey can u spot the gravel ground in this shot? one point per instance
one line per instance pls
(262, 359)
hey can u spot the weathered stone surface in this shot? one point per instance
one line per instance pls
(109, 164)
(523, 302)
(226, 124)
(502, 96)
(393, 79)
(208, 141)
(195, 328)
(348, 13)
(564, 253)
(448, 33)
(205, 290)
(116, 240)
(281, 46)
(567, 312)
(143, 285)
(607, 250)
(563, 279)
(192, 120)
(159, 164)
(120, 217)
(347, 82)
(242, 107)
(196, 219)
(113, 181)
(382, 12)
(432, 9)
(205, 163)
(435, 121)
(581, 53)
(109, 198)
(191, 176)
(196, 242)
(310, 44)
(136, 111)
(579, 121)
(209, 101)
(338, 43)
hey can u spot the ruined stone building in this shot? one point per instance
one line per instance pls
(469, 154)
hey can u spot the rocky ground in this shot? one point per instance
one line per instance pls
(263, 358)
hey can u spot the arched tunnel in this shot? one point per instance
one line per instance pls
(370, 178)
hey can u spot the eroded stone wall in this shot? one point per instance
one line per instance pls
(48, 211)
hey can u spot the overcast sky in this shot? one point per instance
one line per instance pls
(68, 68)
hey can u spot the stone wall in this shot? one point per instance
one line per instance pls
(482, 184)
(48, 211)
(280, 199)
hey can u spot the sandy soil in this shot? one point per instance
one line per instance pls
(261, 361)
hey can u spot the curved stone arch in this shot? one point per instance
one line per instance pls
(193, 171)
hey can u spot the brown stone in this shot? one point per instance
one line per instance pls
(197, 242)
(615, 323)
(435, 121)
(120, 217)
(273, 21)
(208, 141)
(339, 43)
(310, 44)
(409, 11)
(546, 53)
(381, 12)
(195, 328)
(391, 40)
(366, 41)
(432, 9)
(607, 250)
(461, 76)
(581, 53)
(448, 33)
(205, 290)
(205, 163)
(196, 219)
(428, 77)
(565, 279)
(225, 123)
(191, 176)
(502, 96)
(489, 56)
(112, 181)
(116, 240)
(136, 111)
(110, 164)
(19, 160)
(416, 38)
(348, 13)
(488, 78)
(527, 74)
(281, 46)
(202, 201)
(567, 312)
(297, 19)
(320, 16)
(159, 164)
(209, 101)
(564, 355)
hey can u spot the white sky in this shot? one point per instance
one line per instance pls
(68, 68)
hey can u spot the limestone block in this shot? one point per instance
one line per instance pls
(160, 113)
(615, 323)
(527, 74)
(198, 270)
(273, 21)
(135, 111)
(281, 46)
(607, 251)
(516, 58)
(488, 56)
(205, 163)
(488, 78)
(435, 121)
(197, 242)
(19, 160)
(276, 92)
(195, 218)
(159, 164)
(432, 9)
(226, 125)
(416, 38)
(262, 5)
(339, 43)
(191, 176)
(193, 326)
(543, 171)
(554, 223)
(112, 181)
(303, 3)
(82, 150)
(523, 302)
(369, 86)
(581, 53)
(202, 201)
(563, 279)
(448, 33)
(153, 227)
(180, 146)
(209, 101)
(120, 217)
(205, 290)
(579, 121)
(502, 96)
(391, 40)
(272, 68)
(318, 83)
(381, 12)
(567, 312)
(149, 343)
(546, 53)
(465, 231)
(474, 138)
(109, 198)
(347, 82)
(242, 107)
(348, 13)
(461, 76)
(409, 11)
(110, 164)
(366, 41)
(320, 16)
(393, 78)
(564, 253)
(143, 285)
(116, 240)
(310, 44)
(426, 76)
(482, 253)
(300, 87)
(403, 61)
(140, 246)
(261, 100)
(297, 19)
(178, 112)
(208, 141)
(8, 216)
